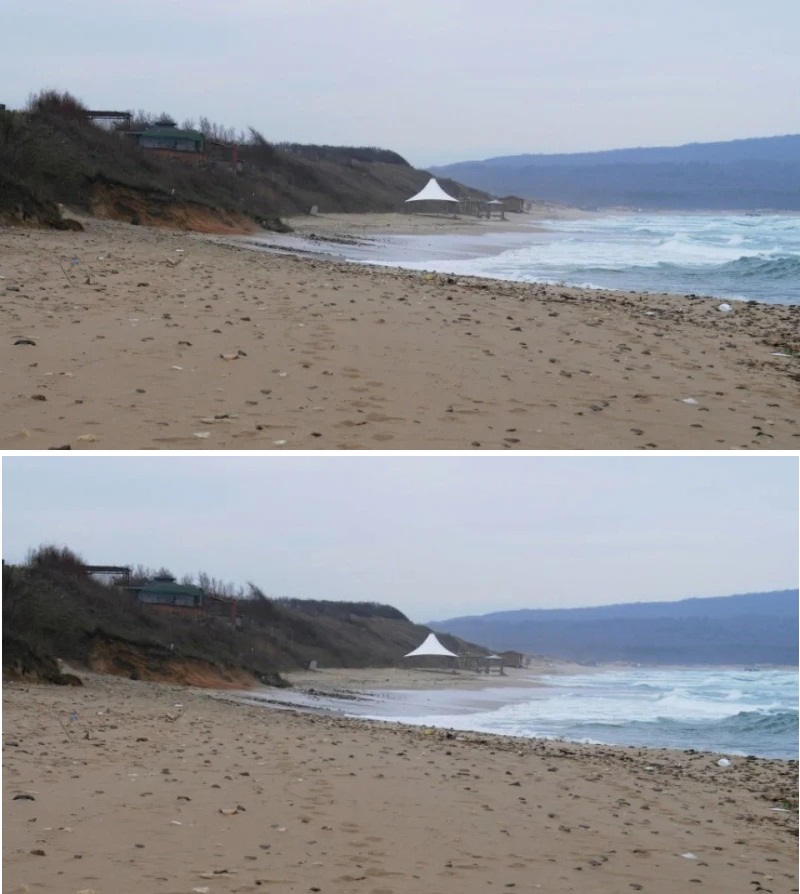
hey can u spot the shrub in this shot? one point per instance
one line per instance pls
(56, 557)
(62, 104)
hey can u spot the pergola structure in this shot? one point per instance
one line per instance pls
(110, 574)
(496, 206)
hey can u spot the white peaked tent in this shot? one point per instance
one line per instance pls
(431, 654)
(432, 192)
(431, 646)
(433, 198)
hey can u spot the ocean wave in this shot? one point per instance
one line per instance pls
(706, 709)
(745, 723)
(765, 267)
(687, 250)
(707, 254)
(767, 723)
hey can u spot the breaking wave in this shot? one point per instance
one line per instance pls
(726, 256)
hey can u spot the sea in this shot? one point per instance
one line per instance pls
(750, 257)
(732, 712)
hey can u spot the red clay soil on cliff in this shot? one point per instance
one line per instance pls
(122, 659)
(132, 206)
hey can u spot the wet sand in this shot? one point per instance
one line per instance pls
(128, 786)
(124, 337)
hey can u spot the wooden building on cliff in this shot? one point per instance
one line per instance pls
(165, 138)
(166, 594)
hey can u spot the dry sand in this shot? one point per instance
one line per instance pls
(155, 339)
(369, 678)
(125, 786)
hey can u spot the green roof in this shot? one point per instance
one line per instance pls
(171, 587)
(172, 133)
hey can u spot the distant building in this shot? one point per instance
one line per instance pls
(166, 593)
(118, 575)
(496, 206)
(494, 664)
(512, 659)
(513, 203)
(475, 206)
(222, 607)
(166, 137)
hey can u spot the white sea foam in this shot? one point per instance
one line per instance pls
(707, 709)
(727, 256)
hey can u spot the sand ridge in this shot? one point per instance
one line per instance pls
(124, 337)
(129, 786)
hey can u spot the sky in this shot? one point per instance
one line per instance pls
(435, 536)
(436, 80)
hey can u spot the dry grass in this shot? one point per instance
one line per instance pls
(53, 608)
(52, 153)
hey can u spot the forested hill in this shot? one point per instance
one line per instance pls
(759, 173)
(750, 628)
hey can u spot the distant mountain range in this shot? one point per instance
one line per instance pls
(760, 173)
(745, 629)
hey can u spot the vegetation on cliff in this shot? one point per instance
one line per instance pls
(53, 609)
(53, 153)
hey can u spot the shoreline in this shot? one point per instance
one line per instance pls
(121, 784)
(447, 701)
(121, 337)
(433, 247)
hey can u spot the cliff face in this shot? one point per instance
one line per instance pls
(55, 612)
(54, 154)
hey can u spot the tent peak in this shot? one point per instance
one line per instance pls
(431, 646)
(432, 192)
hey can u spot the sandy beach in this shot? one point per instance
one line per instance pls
(129, 786)
(368, 678)
(124, 337)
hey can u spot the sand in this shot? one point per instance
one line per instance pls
(369, 678)
(125, 786)
(125, 337)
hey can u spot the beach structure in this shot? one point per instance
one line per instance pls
(494, 665)
(432, 199)
(165, 593)
(431, 654)
(496, 206)
(474, 205)
(513, 203)
(512, 658)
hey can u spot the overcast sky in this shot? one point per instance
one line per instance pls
(435, 536)
(436, 80)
